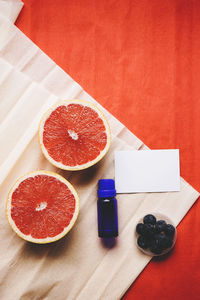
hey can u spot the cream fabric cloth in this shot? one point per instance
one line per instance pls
(79, 266)
(10, 9)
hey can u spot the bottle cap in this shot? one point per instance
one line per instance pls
(106, 188)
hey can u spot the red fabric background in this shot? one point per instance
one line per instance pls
(141, 60)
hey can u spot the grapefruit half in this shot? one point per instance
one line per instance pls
(42, 207)
(74, 135)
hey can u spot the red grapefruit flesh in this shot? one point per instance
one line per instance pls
(74, 135)
(42, 207)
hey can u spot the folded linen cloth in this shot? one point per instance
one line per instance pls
(10, 9)
(79, 266)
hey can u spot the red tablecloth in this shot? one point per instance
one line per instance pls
(141, 60)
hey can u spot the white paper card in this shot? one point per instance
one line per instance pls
(147, 171)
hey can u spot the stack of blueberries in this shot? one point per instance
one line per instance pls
(157, 236)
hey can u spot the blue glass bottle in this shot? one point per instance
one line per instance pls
(107, 209)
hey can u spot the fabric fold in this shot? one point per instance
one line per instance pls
(10, 9)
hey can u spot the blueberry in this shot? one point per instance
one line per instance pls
(155, 249)
(140, 228)
(159, 240)
(150, 241)
(160, 226)
(149, 230)
(149, 219)
(169, 242)
(162, 241)
(141, 241)
(169, 230)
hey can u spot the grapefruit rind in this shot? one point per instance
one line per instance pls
(77, 167)
(29, 238)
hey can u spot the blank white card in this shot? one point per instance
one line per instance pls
(147, 171)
